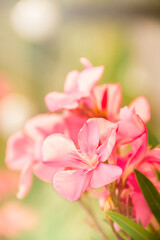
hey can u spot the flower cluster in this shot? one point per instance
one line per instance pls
(87, 142)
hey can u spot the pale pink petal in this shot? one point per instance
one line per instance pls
(141, 209)
(57, 150)
(71, 83)
(89, 78)
(25, 181)
(57, 101)
(85, 62)
(71, 184)
(141, 107)
(105, 174)
(19, 150)
(114, 100)
(88, 137)
(105, 150)
(105, 128)
(43, 125)
(45, 172)
(130, 126)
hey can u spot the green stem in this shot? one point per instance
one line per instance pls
(96, 223)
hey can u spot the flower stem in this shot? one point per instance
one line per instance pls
(96, 223)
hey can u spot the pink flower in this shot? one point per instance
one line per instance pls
(24, 148)
(83, 96)
(84, 167)
(78, 85)
(140, 157)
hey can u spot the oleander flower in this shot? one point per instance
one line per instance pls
(83, 96)
(78, 85)
(24, 148)
(84, 167)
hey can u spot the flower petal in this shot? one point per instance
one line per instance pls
(141, 209)
(141, 107)
(114, 100)
(89, 78)
(25, 181)
(57, 101)
(45, 172)
(85, 62)
(130, 126)
(105, 150)
(71, 82)
(73, 123)
(88, 137)
(19, 151)
(71, 184)
(105, 174)
(105, 128)
(57, 151)
(44, 125)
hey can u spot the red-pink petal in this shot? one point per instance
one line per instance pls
(141, 107)
(141, 209)
(105, 174)
(73, 123)
(71, 184)
(88, 137)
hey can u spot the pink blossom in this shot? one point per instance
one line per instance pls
(143, 159)
(83, 96)
(84, 167)
(24, 148)
(78, 85)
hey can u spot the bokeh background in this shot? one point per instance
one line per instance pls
(42, 40)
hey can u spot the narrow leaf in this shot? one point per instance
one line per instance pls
(157, 174)
(137, 232)
(150, 193)
(152, 140)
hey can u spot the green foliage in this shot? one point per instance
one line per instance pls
(153, 141)
(157, 174)
(150, 193)
(137, 232)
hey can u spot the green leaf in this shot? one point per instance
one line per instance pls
(150, 193)
(134, 230)
(157, 174)
(152, 139)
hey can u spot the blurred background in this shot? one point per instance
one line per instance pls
(40, 42)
